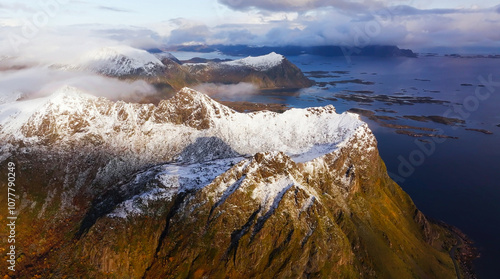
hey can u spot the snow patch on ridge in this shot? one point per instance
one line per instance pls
(173, 179)
(260, 63)
(270, 194)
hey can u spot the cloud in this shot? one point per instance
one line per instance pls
(234, 36)
(298, 5)
(114, 9)
(17, 7)
(324, 24)
(33, 69)
(190, 34)
(405, 10)
(61, 45)
(42, 81)
(358, 23)
(132, 36)
(228, 90)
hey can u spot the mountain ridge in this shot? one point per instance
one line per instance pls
(188, 112)
(168, 74)
(191, 188)
(293, 50)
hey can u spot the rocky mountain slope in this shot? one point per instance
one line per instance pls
(193, 189)
(267, 71)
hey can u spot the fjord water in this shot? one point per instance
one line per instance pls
(459, 181)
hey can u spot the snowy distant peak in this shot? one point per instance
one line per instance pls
(260, 63)
(120, 61)
(139, 56)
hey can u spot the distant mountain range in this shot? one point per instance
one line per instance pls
(168, 74)
(243, 50)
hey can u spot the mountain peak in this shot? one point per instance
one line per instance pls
(190, 98)
(120, 61)
(192, 108)
(187, 92)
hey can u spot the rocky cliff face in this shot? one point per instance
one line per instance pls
(193, 189)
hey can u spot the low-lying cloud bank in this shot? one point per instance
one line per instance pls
(228, 90)
(42, 81)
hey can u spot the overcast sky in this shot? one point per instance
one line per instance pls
(48, 24)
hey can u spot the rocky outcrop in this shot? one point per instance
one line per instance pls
(193, 189)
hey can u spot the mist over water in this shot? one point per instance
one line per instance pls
(240, 90)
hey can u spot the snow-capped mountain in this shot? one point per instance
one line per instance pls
(166, 73)
(120, 61)
(180, 127)
(268, 71)
(258, 63)
(191, 188)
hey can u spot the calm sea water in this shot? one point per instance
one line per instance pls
(459, 182)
